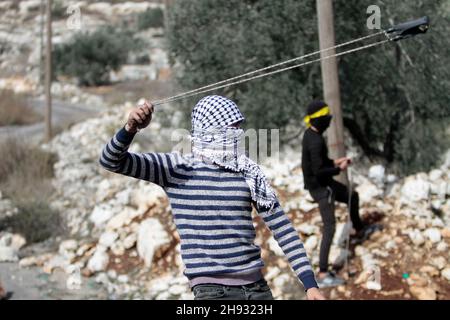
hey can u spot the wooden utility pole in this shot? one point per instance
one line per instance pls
(330, 79)
(48, 74)
(42, 44)
(167, 5)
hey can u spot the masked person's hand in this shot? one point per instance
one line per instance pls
(314, 294)
(337, 162)
(140, 117)
(344, 164)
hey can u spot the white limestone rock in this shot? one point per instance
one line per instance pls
(8, 254)
(377, 174)
(368, 192)
(415, 190)
(311, 243)
(151, 236)
(416, 237)
(99, 261)
(108, 238)
(433, 234)
(274, 247)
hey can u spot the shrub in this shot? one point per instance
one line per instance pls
(14, 110)
(143, 59)
(59, 10)
(151, 18)
(90, 57)
(25, 178)
(35, 220)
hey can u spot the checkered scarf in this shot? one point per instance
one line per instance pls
(214, 139)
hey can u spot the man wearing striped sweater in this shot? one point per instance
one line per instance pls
(211, 192)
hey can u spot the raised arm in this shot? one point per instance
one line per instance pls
(289, 241)
(153, 167)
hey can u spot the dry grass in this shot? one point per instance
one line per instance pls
(23, 165)
(14, 110)
(25, 178)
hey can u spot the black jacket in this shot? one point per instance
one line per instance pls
(318, 169)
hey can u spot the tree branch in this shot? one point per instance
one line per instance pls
(359, 137)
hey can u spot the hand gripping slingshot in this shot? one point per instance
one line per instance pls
(393, 34)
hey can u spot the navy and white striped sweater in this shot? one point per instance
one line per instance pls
(212, 210)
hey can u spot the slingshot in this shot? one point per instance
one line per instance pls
(393, 34)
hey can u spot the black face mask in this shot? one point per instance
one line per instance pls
(321, 123)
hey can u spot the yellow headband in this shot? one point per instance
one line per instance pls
(322, 112)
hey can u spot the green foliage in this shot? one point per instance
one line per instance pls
(143, 59)
(393, 97)
(90, 57)
(151, 18)
(59, 10)
(222, 39)
(422, 145)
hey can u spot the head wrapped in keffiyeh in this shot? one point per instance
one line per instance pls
(214, 138)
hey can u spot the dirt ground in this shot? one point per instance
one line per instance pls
(33, 284)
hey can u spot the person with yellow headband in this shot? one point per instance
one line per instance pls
(318, 172)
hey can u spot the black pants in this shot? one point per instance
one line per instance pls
(326, 197)
(255, 291)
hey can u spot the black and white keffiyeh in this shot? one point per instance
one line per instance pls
(213, 138)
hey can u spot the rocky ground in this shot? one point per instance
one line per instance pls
(123, 237)
(108, 253)
(407, 259)
(34, 284)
